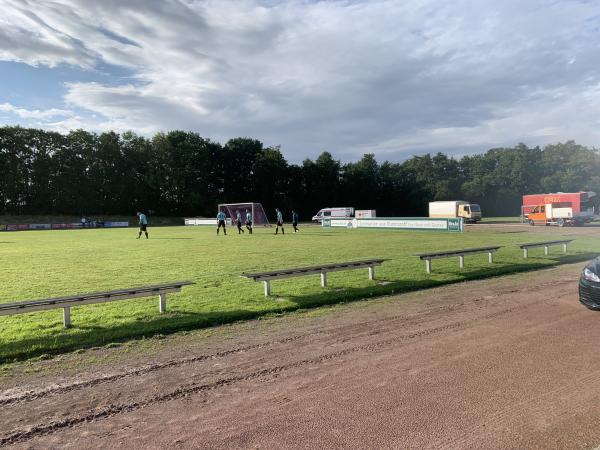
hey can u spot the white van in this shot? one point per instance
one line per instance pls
(340, 212)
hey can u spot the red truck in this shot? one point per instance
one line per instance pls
(583, 208)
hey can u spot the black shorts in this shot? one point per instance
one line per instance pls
(221, 224)
(143, 226)
(239, 223)
(248, 223)
(279, 223)
(295, 224)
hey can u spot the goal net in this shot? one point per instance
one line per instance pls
(258, 213)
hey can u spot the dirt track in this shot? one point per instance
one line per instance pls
(511, 362)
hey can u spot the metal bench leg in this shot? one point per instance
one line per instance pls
(490, 257)
(565, 248)
(162, 303)
(323, 279)
(371, 273)
(67, 316)
(461, 261)
(546, 250)
(428, 265)
(525, 253)
(267, 284)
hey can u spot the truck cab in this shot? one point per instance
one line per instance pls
(471, 212)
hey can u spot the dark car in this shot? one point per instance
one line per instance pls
(589, 285)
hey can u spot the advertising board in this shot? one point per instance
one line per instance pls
(401, 223)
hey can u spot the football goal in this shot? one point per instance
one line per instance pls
(258, 213)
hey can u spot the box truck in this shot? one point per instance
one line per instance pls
(341, 212)
(470, 212)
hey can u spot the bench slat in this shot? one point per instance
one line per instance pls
(300, 271)
(450, 253)
(96, 297)
(542, 244)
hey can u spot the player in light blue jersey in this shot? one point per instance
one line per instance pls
(221, 222)
(238, 222)
(143, 224)
(279, 222)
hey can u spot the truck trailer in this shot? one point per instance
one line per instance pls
(470, 212)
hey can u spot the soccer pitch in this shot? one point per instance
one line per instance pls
(42, 264)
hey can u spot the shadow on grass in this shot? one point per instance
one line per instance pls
(87, 336)
(405, 286)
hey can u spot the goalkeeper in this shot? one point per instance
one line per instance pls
(249, 221)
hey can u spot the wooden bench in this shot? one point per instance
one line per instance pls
(427, 257)
(546, 245)
(266, 277)
(7, 309)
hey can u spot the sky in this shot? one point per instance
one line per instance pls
(394, 78)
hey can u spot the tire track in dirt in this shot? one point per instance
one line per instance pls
(57, 390)
(195, 388)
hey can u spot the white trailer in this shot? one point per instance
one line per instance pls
(340, 212)
(365, 214)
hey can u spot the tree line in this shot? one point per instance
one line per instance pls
(180, 173)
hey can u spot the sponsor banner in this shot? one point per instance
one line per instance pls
(345, 223)
(39, 226)
(455, 224)
(402, 223)
(62, 226)
(116, 224)
(204, 221)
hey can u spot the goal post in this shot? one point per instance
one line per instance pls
(259, 217)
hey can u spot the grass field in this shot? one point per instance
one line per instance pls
(40, 264)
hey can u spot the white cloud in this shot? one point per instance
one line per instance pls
(385, 76)
(34, 113)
